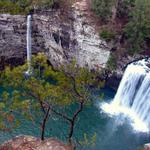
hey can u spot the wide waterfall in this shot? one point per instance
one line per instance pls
(29, 54)
(133, 96)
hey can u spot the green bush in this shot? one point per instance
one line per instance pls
(138, 28)
(124, 8)
(112, 62)
(103, 9)
(8, 6)
(107, 34)
(23, 6)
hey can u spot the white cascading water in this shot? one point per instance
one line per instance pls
(133, 96)
(29, 55)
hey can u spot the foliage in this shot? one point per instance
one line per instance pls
(138, 28)
(88, 141)
(103, 8)
(112, 62)
(107, 34)
(124, 7)
(8, 121)
(132, 15)
(9, 6)
(46, 91)
(23, 6)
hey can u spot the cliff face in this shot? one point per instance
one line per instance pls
(13, 40)
(62, 35)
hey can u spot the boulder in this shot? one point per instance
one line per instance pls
(32, 143)
(147, 146)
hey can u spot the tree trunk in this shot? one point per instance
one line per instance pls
(72, 122)
(71, 131)
(44, 124)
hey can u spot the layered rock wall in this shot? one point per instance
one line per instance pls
(62, 35)
(13, 39)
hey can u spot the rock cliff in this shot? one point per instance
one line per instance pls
(13, 40)
(62, 34)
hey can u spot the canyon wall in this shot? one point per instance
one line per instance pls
(62, 35)
(13, 40)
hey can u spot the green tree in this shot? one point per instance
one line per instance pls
(24, 6)
(46, 91)
(103, 8)
(108, 10)
(138, 28)
(124, 8)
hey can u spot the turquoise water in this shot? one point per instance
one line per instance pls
(113, 133)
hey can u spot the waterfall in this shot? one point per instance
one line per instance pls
(28, 38)
(133, 96)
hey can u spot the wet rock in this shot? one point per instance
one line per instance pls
(146, 146)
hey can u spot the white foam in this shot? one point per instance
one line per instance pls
(114, 109)
(133, 96)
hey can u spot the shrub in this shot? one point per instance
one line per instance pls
(103, 9)
(107, 34)
(138, 28)
(112, 62)
(9, 6)
(124, 8)
(23, 6)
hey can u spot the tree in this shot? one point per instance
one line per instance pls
(46, 91)
(24, 6)
(138, 28)
(103, 9)
(124, 8)
(109, 10)
(7, 120)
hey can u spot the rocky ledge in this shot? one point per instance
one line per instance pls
(146, 146)
(32, 143)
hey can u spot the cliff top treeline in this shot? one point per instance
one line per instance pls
(25, 6)
(129, 18)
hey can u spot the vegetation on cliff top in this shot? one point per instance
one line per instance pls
(131, 21)
(24, 6)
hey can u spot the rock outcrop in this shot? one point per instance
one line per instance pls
(92, 51)
(63, 35)
(13, 40)
(32, 143)
(146, 146)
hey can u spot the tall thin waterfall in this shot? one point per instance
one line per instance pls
(29, 54)
(133, 96)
